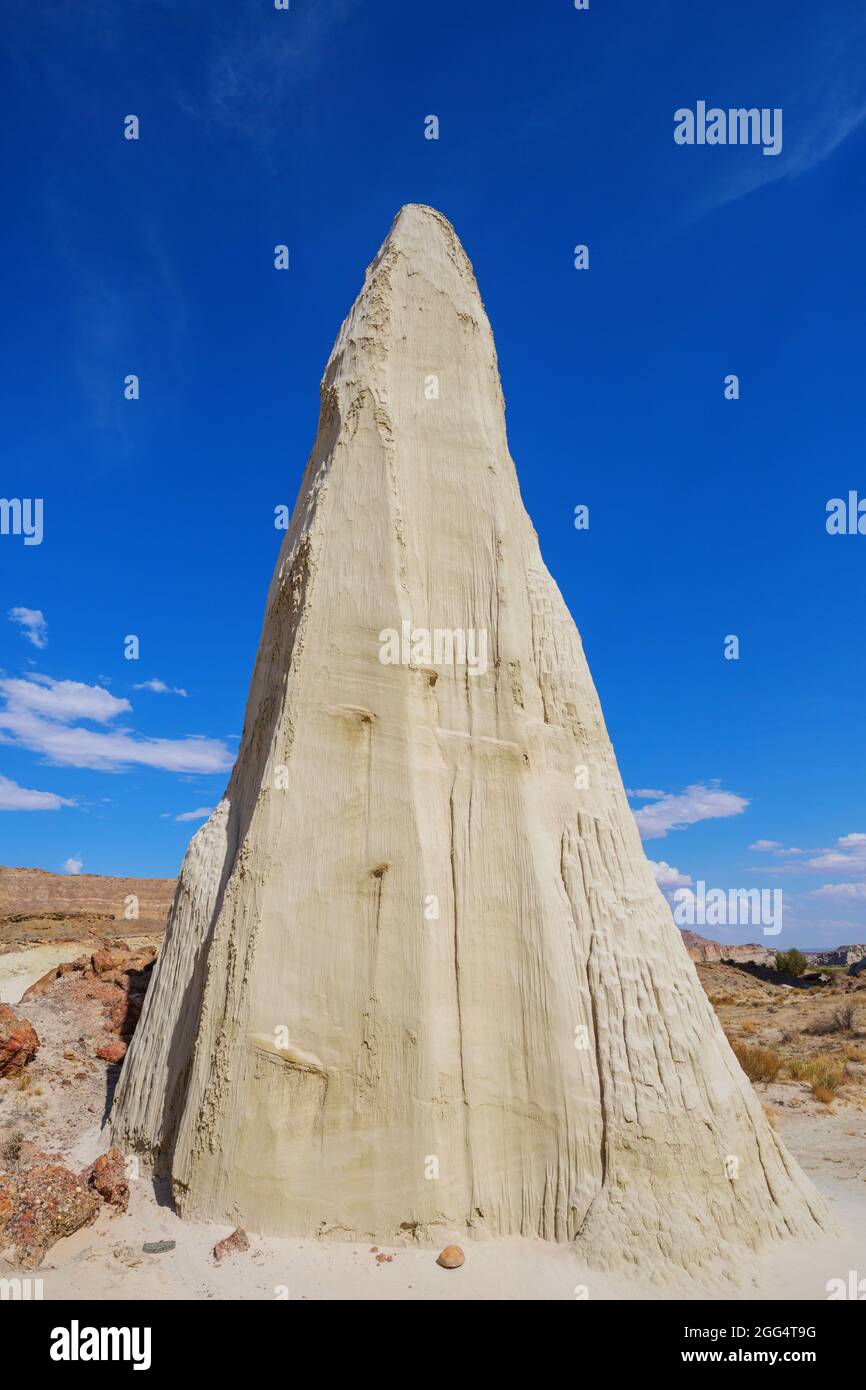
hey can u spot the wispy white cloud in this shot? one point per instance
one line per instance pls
(699, 802)
(15, 798)
(40, 715)
(159, 687)
(644, 793)
(73, 865)
(826, 105)
(765, 845)
(848, 855)
(254, 67)
(201, 814)
(33, 623)
(840, 890)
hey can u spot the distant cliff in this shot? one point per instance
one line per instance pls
(35, 892)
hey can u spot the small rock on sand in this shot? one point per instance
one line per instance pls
(451, 1257)
(233, 1244)
(18, 1041)
(107, 1176)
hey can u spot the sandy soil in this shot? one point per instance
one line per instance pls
(63, 1105)
(21, 969)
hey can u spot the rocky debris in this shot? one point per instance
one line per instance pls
(126, 969)
(41, 1205)
(158, 1247)
(117, 977)
(234, 1244)
(107, 1176)
(18, 1041)
(451, 1257)
(384, 1259)
(125, 1013)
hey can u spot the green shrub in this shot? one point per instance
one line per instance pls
(791, 962)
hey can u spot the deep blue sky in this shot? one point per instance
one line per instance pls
(556, 128)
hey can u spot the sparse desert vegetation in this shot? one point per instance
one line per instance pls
(759, 1063)
(802, 1044)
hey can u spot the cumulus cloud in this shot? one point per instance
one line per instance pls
(666, 876)
(34, 626)
(41, 714)
(63, 701)
(73, 865)
(765, 845)
(15, 798)
(701, 801)
(159, 687)
(201, 814)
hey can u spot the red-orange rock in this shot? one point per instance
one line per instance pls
(42, 985)
(125, 1013)
(107, 1176)
(106, 959)
(18, 1041)
(451, 1257)
(8, 1191)
(113, 1051)
(40, 1206)
(236, 1242)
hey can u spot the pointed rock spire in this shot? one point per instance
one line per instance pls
(418, 978)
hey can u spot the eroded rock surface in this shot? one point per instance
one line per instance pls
(418, 975)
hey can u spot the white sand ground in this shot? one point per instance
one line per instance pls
(21, 969)
(106, 1261)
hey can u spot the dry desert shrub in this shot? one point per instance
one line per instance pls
(759, 1063)
(749, 1026)
(841, 1020)
(10, 1149)
(824, 1073)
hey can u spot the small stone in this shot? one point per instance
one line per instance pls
(158, 1247)
(451, 1257)
(384, 1259)
(112, 1051)
(127, 1254)
(233, 1244)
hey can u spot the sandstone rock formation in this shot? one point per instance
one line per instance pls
(28, 893)
(703, 949)
(418, 975)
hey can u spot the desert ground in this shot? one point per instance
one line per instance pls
(83, 972)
